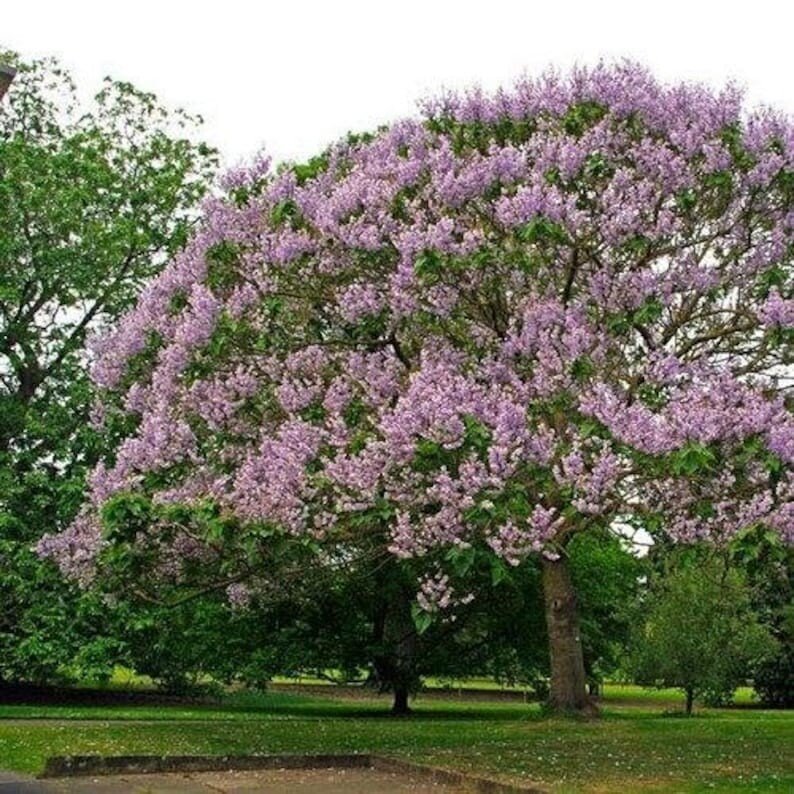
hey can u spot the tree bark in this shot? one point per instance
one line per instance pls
(400, 707)
(568, 691)
(395, 633)
(400, 639)
(690, 698)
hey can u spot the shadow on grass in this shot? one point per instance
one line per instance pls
(40, 702)
(35, 695)
(60, 703)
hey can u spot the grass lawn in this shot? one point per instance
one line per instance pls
(636, 746)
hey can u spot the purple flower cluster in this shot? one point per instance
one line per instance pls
(777, 310)
(436, 593)
(498, 323)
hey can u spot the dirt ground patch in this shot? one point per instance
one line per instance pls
(272, 781)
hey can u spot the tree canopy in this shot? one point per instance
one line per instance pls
(94, 198)
(698, 633)
(558, 308)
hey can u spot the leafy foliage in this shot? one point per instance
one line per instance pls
(769, 566)
(697, 632)
(94, 199)
(520, 318)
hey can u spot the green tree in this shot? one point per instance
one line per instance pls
(93, 200)
(698, 632)
(606, 576)
(769, 566)
(341, 624)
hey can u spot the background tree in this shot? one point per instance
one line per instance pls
(93, 201)
(561, 309)
(773, 677)
(606, 577)
(698, 632)
(769, 567)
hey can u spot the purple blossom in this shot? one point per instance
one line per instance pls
(424, 328)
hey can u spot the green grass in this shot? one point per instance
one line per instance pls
(615, 692)
(636, 745)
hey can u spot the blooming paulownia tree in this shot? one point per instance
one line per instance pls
(517, 318)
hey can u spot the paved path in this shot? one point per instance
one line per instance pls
(12, 783)
(271, 781)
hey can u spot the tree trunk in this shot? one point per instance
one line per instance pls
(400, 707)
(400, 639)
(395, 633)
(690, 698)
(568, 691)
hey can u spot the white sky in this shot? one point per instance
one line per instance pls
(294, 75)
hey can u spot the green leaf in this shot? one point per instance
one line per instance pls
(429, 263)
(692, 459)
(422, 619)
(284, 211)
(542, 230)
(462, 559)
(499, 571)
(582, 116)
(310, 170)
(582, 368)
(649, 311)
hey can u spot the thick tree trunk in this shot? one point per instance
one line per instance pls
(400, 639)
(568, 691)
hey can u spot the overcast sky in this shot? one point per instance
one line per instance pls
(294, 75)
